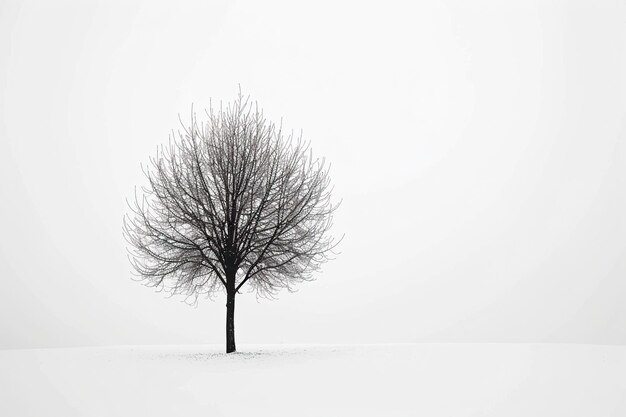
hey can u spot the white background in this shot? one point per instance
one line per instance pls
(479, 149)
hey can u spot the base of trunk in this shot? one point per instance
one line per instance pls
(230, 323)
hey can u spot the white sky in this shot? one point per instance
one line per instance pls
(479, 148)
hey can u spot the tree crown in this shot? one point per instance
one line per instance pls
(230, 201)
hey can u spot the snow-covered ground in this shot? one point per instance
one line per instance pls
(307, 380)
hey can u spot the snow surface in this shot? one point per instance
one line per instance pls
(308, 380)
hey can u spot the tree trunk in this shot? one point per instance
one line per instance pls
(230, 322)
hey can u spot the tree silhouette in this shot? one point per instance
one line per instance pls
(230, 201)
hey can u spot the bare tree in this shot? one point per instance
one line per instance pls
(231, 201)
